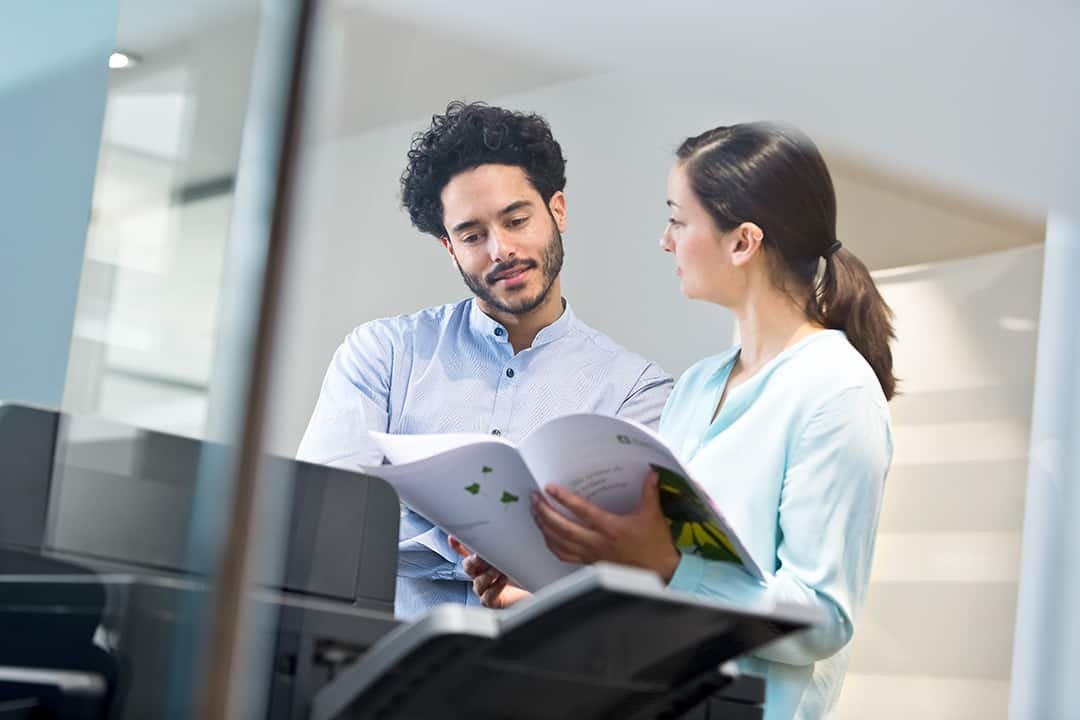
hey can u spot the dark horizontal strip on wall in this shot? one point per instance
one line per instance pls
(204, 189)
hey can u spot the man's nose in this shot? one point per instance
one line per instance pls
(499, 247)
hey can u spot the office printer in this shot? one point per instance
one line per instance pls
(83, 498)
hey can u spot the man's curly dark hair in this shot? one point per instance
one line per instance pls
(469, 135)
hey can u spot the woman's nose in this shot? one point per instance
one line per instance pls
(665, 241)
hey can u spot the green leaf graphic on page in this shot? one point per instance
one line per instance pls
(473, 489)
(485, 470)
(508, 497)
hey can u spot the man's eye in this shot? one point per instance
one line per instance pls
(469, 239)
(673, 222)
(518, 221)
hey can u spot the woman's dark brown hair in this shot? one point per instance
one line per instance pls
(774, 177)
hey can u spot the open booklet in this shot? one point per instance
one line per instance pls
(476, 487)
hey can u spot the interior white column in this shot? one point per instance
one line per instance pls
(1046, 655)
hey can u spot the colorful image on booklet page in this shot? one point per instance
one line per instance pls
(690, 519)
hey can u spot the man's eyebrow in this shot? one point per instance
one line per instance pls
(515, 206)
(505, 211)
(672, 203)
(463, 225)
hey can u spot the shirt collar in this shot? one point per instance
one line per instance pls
(726, 360)
(483, 326)
(557, 329)
(723, 364)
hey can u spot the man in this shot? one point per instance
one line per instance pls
(488, 184)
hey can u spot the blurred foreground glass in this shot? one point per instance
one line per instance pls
(166, 329)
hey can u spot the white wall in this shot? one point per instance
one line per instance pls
(935, 640)
(356, 257)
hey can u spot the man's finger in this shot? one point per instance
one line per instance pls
(474, 565)
(458, 547)
(490, 596)
(484, 582)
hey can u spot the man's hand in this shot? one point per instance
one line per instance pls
(491, 586)
(641, 539)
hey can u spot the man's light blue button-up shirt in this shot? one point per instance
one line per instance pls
(452, 369)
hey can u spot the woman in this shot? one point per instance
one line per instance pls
(788, 432)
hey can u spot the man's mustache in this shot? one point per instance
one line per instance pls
(503, 268)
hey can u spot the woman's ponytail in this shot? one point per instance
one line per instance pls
(847, 299)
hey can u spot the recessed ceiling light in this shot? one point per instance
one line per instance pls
(121, 60)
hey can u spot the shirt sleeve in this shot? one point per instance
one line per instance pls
(828, 515)
(355, 398)
(647, 397)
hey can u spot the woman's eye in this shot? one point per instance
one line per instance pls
(673, 222)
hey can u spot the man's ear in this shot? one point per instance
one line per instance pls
(449, 246)
(746, 242)
(557, 208)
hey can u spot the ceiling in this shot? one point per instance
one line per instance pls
(957, 104)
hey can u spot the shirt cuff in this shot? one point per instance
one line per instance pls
(435, 540)
(688, 574)
(726, 581)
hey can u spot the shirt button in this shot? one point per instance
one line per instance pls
(499, 332)
(496, 431)
(509, 372)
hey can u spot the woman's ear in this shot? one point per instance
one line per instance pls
(746, 242)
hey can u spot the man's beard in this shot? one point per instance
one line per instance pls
(551, 261)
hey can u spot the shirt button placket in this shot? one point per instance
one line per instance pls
(503, 400)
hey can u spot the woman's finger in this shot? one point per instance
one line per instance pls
(552, 522)
(566, 550)
(589, 514)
